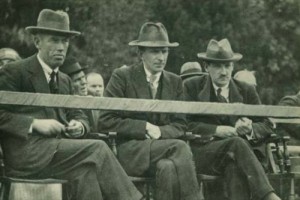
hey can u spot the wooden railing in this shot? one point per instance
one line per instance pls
(146, 105)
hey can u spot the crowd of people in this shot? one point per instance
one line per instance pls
(44, 142)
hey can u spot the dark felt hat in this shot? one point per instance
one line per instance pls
(153, 35)
(53, 22)
(71, 66)
(219, 52)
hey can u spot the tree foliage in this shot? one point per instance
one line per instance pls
(266, 32)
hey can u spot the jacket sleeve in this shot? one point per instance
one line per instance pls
(262, 127)
(118, 121)
(177, 125)
(11, 124)
(198, 124)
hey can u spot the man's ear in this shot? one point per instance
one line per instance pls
(37, 41)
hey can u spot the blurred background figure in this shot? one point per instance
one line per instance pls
(74, 70)
(191, 69)
(246, 76)
(8, 55)
(95, 84)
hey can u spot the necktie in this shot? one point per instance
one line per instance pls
(53, 85)
(221, 98)
(152, 87)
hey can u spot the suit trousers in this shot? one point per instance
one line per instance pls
(233, 159)
(171, 162)
(92, 169)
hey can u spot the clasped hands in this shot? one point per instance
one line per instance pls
(51, 127)
(152, 131)
(243, 126)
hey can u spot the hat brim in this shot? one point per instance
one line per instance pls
(153, 44)
(35, 29)
(235, 57)
(193, 74)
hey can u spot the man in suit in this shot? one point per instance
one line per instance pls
(224, 147)
(43, 142)
(147, 142)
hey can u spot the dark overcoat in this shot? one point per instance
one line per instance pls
(201, 89)
(26, 154)
(133, 147)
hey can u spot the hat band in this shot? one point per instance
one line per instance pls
(219, 54)
(191, 71)
(54, 25)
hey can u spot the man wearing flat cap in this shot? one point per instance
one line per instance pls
(224, 147)
(43, 142)
(148, 143)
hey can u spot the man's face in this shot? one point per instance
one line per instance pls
(220, 73)
(52, 48)
(95, 85)
(155, 58)
(79, 83)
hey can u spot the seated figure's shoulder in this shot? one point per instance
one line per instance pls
(198, 81)
(292, 100)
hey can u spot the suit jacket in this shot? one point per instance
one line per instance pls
(134, 148)
(291, 129)
(201, 89)
(26, 153)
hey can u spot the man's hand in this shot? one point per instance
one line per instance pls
(243, 126)
(74, 129)
(225, 132)
(47, 127)
(153, 131)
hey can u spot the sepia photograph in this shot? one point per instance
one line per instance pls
(149, 100)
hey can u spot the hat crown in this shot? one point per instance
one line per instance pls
(54, 19)
(219, 50)
(53, 22)
(153, 35)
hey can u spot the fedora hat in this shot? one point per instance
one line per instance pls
(53, 22)
(219, 52)
(71, 66)
(191, 69)
(153, 35)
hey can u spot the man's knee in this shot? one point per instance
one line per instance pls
(165, 165)
(99, 145)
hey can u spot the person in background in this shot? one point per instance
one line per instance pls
(43, 142)
(190, 69)
(224, 147)
(74, 70)
(246, 76)
(95, 84)
(8, 55)
(148, 143)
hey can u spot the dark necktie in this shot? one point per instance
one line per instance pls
(53, 85)
(152, 87)
(221, 98)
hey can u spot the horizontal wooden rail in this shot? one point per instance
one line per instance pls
(146, 105)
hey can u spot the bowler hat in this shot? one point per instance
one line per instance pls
(53, 22)
(71, 66)
(190, 69)
(8, 53)
(153, 35)
(219, 52)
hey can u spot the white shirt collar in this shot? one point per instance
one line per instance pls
(148, 74)
(224, 92)
(47, 70)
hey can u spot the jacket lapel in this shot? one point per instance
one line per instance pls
(234, 93)
(140, 83)
(38, 78)
(204, 94)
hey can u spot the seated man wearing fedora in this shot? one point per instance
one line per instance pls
(41, 142)
(224, 147)
(147, 142)
(190, 69)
